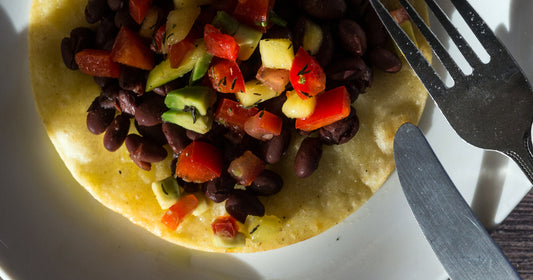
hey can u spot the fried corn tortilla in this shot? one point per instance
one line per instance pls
(348, 175)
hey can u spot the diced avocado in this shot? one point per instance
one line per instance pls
(255, 93)
(239, 240)
(167, 192)
(312, 37)
(163, 73)
(196, 123)
(200, 67)
(199, 97)
(247, 38)
(226, 23)
(276, 53)
(261, 229)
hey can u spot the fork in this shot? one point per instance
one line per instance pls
(491, 108)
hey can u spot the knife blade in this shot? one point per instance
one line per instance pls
(457, 237)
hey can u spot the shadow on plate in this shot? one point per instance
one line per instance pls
(51, 227)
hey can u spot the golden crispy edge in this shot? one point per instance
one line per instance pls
(307, 207)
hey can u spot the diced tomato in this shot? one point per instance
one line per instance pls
(276, 79)
(226, 76)
(331, 106)
(254, 13)
(307, 76)
(219, 44)
(225, 226)
(232, 115)
(263, 125)
(199, 162)
(400, 15)
(177, 52)
(97, 63)
(157, 43)
(138, 9)
(246, 168)
(130, 50)
(177, 212)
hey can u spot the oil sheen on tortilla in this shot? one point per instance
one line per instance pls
(347, 177)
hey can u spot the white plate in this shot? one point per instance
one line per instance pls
(51, 228)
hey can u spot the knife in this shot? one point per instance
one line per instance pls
(457, 237)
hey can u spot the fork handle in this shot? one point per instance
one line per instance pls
(523, 156)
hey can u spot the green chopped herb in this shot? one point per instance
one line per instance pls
(261, 113)
(254, 229)
(304, 70)
(233, 83)
(163, 188)
(275, 19)
(193, 111)
(301, 80)
(256, 93)
(305, 93)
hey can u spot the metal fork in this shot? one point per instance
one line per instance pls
(492, 108)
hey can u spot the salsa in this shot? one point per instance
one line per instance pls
(225, 85)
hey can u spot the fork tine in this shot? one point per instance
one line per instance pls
(457, 38)
(482, 31)
(414, 56)
(433, 41)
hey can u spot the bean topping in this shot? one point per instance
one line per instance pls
(273, 150)
(176, 138)
(240, 204)
(308, 157)
(324, 9)
(98, 117)
(340, 131)
(267, 183)
(149, 110)
(116, 133)
(220, 189)
(352, 36)
(95, 10)
(385, 60)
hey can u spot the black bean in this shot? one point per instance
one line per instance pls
(375, 31)
(123, 18)
(126, 102)
(98, 117)
(68, 53)
(149, 151)
(172, 85)
(111, 90)
(308, 157)
(340, 131)
(143, 150)
(278, 32)
(273, 150)
(80, 38)
(133, 79)
(267, 183)
(103, 81)
(240, 204)
(324, 9)
(349, 70)
(274, 105)
(148, 111)
(95, 10)
(220, 189)
(327, 48)
(115, 5)
(385, 60)
(141, 164)
(175, 135)
(153, 133)
(106, 33)
(190, 187)
(116, 132)
(352, 36)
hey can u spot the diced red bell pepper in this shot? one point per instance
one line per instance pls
(246, 168)
(157, 42)
(177, 212)
(130, 50)
(307, 76)
(263, 125)
(331, 106)
(276, 79)
(138, 9)
(226, 76)
(232, 115)
(97, 63)
(254, 13)
(225, 226)
(199, 162)
(219, 44)
(177, 52)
